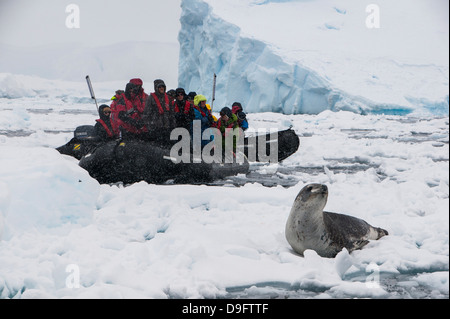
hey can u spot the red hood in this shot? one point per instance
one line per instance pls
(137, 82)
(235, 109)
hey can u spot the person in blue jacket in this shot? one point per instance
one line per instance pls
(202, 113)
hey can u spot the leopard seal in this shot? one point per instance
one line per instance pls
(309, 227)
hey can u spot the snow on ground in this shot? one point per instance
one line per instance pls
(64, 235)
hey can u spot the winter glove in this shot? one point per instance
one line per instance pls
(124, 116)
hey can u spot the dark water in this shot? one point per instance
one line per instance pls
(396, 286)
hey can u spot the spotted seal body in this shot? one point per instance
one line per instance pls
(309, 227)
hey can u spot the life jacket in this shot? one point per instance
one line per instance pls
(115, 121)
(231, 124)
(187, 107)
(166, 103)
(108, 131)
(201, 111)
(122, 103)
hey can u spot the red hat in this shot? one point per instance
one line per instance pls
(137, 81)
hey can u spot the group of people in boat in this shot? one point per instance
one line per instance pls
(136, 114)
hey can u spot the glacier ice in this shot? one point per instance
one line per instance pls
(266, 78)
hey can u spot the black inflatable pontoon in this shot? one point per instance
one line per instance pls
(285, 143)
(134, 160)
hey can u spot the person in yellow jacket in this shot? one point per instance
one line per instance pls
(202, 113)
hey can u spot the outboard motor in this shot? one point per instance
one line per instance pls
(84, 133)
(83, 142)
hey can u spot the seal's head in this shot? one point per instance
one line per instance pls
(312, 197)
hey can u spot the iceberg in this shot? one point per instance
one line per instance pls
(305, 57)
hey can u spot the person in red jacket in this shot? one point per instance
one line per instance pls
(103, 127)
(160, 114)
(128, 109)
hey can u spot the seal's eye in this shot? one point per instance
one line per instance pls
(305, 195)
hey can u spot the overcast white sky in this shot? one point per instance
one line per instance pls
(41, 22)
